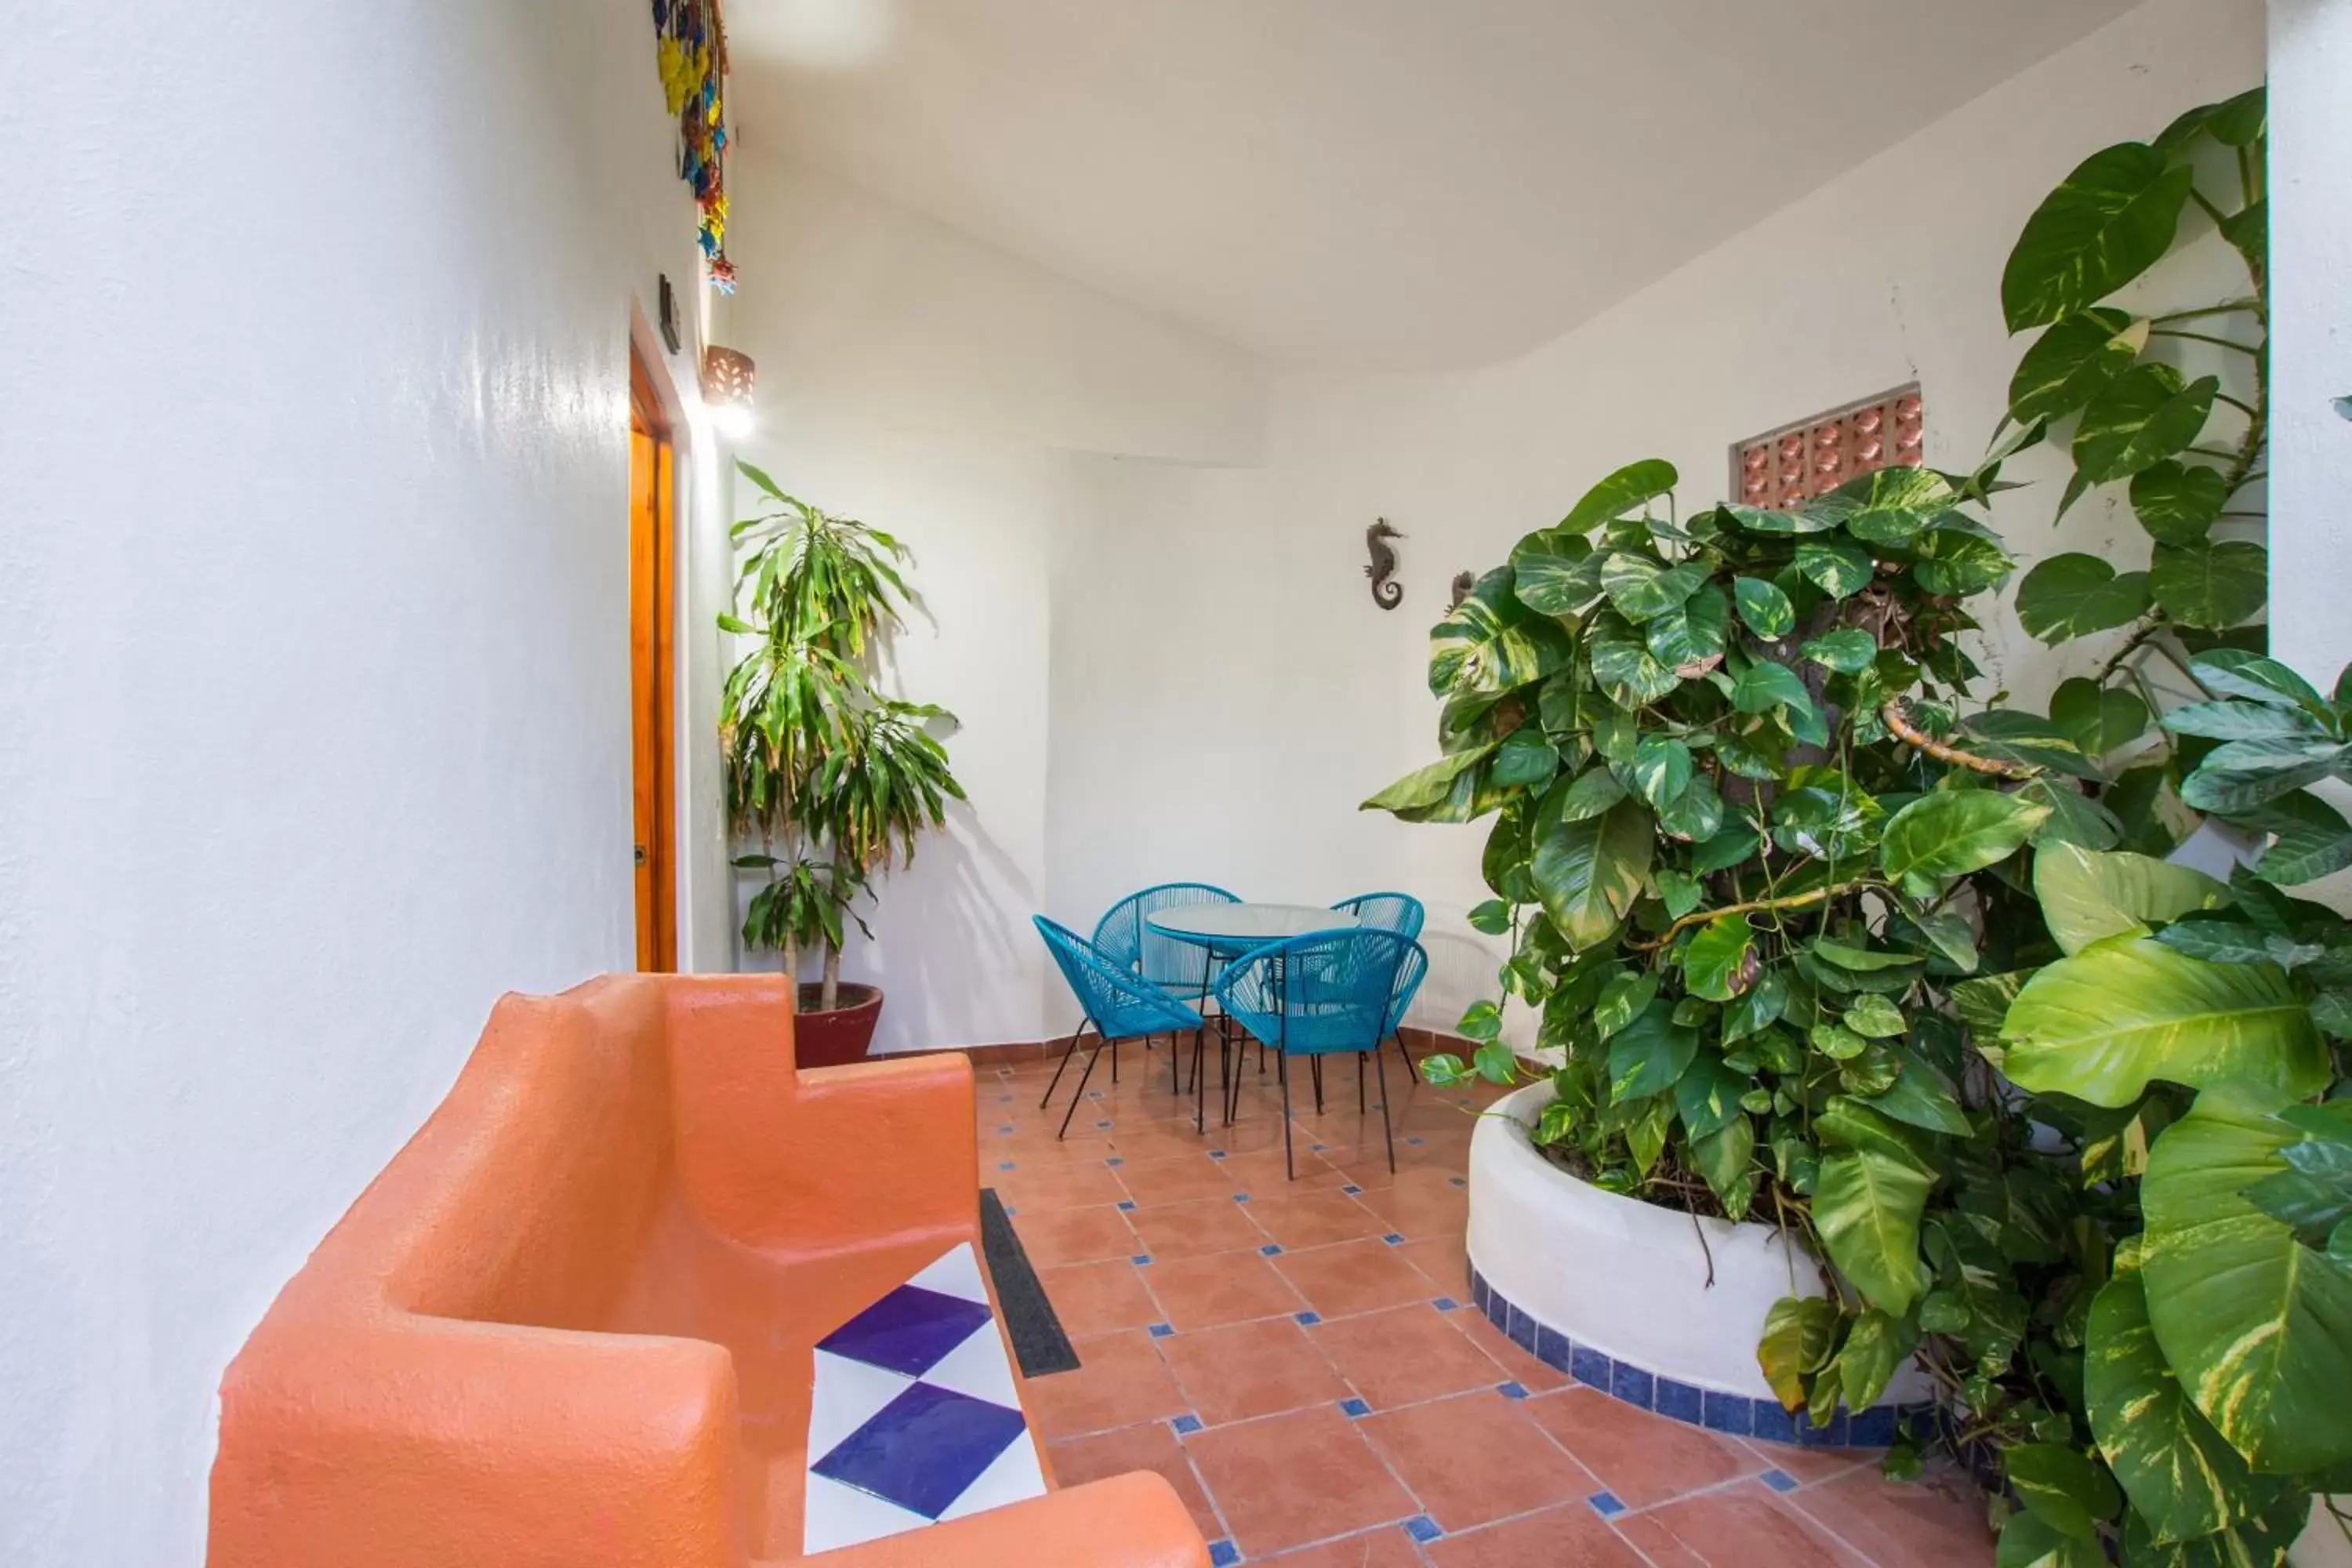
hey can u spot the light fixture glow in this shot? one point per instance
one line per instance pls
(729, 379)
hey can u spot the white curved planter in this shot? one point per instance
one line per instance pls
(1614, 1291)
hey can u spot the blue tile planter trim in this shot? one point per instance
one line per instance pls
(1732, 1414)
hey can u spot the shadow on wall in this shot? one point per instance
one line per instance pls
(944, 951)
(1460, 971)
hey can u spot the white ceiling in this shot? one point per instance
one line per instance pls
(1369, 183)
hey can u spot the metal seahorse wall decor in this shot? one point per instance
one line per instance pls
(1387, 592)
(1463, 582)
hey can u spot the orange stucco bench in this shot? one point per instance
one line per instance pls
(572, 1323)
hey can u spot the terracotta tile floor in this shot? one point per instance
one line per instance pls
(1299, 1358)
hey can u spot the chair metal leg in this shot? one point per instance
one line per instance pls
(1200, 1098)
(1359, 1083)
(1114, 1064)
(1388, 1135)
(1410, 1070)
(1079, 1096)
(1282, 1067)
(1315, 1071)
(1067, 1051)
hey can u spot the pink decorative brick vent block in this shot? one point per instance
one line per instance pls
(1784, 469)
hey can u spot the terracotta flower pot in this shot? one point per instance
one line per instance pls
(828, 1039)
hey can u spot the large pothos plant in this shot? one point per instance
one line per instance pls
(1748, 857)
(2183, 451)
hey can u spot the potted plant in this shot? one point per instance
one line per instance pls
(836, 779)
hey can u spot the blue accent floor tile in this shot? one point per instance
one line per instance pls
(958, 1436)
(1606, 1505)
(1241, 1197)
(1224, 1553)
(1422, 1529)
(1678, 1400)
(906, 1331)
(1354, 1409)
(1552, 1348)
(1317, 1147)
(1511, 1390)
(1446, 1304)
(1010, 1211)
(1779, 1481)
(1004, 1133)
(1522, 1330)
(1269, 1250)
(1127, 1206)
(1305, 1320)
(1186, 1425)
(1632, 1385)
(1141, 1260)
(1457, 1180)
(1733, 1414)
(1773, 1425)
(1478, 1291)
(1005, 1165)
(1114, 1162)
(1161, 1331)
(1352, 1190)
(1394, 1239)
(1416, 1143)
(1590, 1367)
(1874, 1428)
(1216, 1153)
(1833, 1436)
(1102, 1126)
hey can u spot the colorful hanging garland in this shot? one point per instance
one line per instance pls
(693, 55)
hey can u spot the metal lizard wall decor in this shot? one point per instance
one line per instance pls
(1387, 593)
(1462, 582)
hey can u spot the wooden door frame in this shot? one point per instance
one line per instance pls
(653, 670)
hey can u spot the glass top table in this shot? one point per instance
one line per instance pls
(1236, 927)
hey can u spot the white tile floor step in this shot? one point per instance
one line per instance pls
(913, 1417)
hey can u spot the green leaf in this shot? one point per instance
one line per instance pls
(1983, 1002)
(738, 627)
(1837, 1042)
(1589, 874)
(1941, 835)
(2242, 120)
(1678, 891)
(1764, 608)
(1492, 643)
(1555, 574)
(1799, 1333)
(1730, 847)
(1622, 1000)
(1723, 1157)
(1849, 652)
(1866, 1207)
(1492, 918)
(1764, 686)
(2112, 219)
(2098, 720)
(1633, 485)
(1696, 814)
(2177, 502)
(2233, 779)
(2314, 840)
(2146, 414)
(1528, 759)
(1625, 670)
(1875, 1017)
(1661, 769)
(1426, 787)
(2073, 363)
(1693, 633)
(1594, 791)
(2235, 719)
(2030, 1541)
(2258, 1327)
(1706, 1096)
(2087, 896)
(1640, 589)
(2099, 1025)
(2211, 584)
(1648, 1055)
(2074, 595)
(2179, 1473)
(1888, 505)
(1876, 1347)
(1836, 566)
(2069, 1493)
(2234, 672)
(1483, 1021)
(1924, 1097)
(2221, 940)
(1960, 561)
(1720, 961)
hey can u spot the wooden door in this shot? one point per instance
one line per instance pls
(652, 590)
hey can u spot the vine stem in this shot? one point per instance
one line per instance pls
(1899, 725)
(2206, 338)
(2227, 308)
(1820, 895)
(2132, 645)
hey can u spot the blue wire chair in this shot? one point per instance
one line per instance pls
(1402, 913)
(1119, 1004)
(1322, 994)
(1182, 969)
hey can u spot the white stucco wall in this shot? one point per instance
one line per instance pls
(314, 673)
(2311, 315)
(1315, 699)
